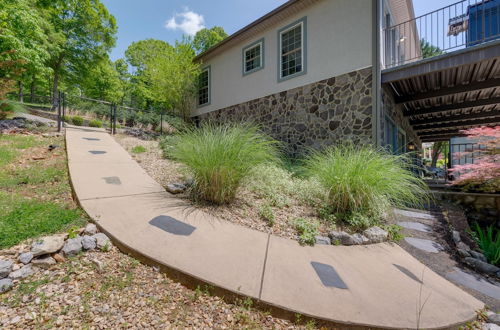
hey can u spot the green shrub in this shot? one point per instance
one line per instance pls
(138, 149)
(307, 231)
(489, 242)
(166, 144)
(95, 123)
(279, 186)
(363, 180)
(77, 120)
(221, 157)
(360, 221)
(6, 108)
(394, 232)
(266, 212)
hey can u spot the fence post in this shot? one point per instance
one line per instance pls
(161, 123)
(63, 109)
(111, 118)
(59, 111)
(114, 120)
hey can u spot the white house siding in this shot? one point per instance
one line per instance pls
(339, 41)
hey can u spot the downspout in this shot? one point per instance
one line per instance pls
(376, 72)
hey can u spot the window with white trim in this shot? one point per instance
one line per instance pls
(204, 87)
(291, 50)
(252, 60)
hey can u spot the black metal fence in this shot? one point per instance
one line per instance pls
(101, 113)
(462, 24)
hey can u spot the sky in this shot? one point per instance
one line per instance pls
(169, 20)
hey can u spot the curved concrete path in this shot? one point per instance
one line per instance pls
(376, 285)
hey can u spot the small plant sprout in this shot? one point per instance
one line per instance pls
(266, 213)
(138, 149)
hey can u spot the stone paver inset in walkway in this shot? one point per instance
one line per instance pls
(424, 244)
(413, 214)
(475, 282)
(415, 226)
(274, 270)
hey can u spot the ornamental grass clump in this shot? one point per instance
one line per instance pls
(220, 157)
(361, 180)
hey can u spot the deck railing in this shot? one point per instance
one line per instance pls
(462, 24)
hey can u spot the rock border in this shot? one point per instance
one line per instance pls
(47, 251)
(472, 258)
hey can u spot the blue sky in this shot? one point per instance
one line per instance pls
(169, 19)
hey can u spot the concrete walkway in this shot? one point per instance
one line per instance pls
(375, 285)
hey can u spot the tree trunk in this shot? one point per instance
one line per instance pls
(436, 151)
(21, 96)
(55, 83)
(32, 88)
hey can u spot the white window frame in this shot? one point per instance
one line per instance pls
(303, 54)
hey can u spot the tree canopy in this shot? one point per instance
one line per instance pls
(207, 38)
(65, 45)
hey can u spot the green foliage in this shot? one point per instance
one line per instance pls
(30, 218)
(95, 123)
(279, 186)
(363, 180)
(307, 230)
(360, 221)
(207, 38)
(81, 33)
(394, 232)
(428, 49)
(138, 149)
(266, 212)
(221, 157)
(6, 109)
(166, 143)
(77, 120)
(489, 241)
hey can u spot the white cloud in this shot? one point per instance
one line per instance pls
(188, 22)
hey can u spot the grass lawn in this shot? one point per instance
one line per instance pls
(35, 195)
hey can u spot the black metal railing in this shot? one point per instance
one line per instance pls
(462, 24)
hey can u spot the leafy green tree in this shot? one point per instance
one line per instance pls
(82, 33)
(23, 39)
(207, 38)
(429, 50)
(141, 55)
(103, 82)
(173, 78)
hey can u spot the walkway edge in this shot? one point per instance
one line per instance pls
(192, 281)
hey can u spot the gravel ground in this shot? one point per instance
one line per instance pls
(244, 210)
(109, 290)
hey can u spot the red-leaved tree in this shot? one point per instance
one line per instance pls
(484, 174)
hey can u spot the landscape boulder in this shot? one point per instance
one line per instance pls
(347, 239)
(90, 229)
(102, 241)
(25, 257)
(89, 243)
(493, 317)
(47, 245)
(176, 188)
(24, 272)
(72, 247)
(44, 262)
(482, 266)
(5, 268)
(376, 234)
(5, 285)
(323, 240)
(478, 255)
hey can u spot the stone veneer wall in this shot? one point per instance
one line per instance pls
(395, 112)
(314, 115)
